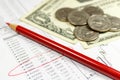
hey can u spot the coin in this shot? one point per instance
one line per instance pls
(115, 24)
(99, 23)
(62, 13)
(91, 10)
(85, 34)
(78, 17)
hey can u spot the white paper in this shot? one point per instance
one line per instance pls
(23, 59)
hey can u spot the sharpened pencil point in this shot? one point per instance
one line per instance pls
(12, 26)
(8, 23)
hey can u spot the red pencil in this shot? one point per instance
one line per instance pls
(70, 53)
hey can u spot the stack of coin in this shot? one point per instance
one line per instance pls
(89, 22)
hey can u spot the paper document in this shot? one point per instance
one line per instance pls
(24, 59)
(32, 60)
(28, 60)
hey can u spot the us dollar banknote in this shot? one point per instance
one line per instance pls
(43, 17)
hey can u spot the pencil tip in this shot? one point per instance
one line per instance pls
(12, 26)
(8, 23)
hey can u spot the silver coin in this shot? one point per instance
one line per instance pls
(62, 14)
(91, 10)
(85, 34)
(78, 17)
(99, 23)
(115, 24)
